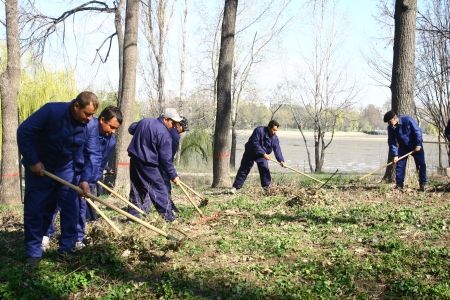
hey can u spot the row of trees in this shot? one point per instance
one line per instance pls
(319, 99)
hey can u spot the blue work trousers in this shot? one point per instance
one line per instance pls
(167, 181)
(87, 213)
(248, 159)
(42, 196)
(148, 187)
(419, 159)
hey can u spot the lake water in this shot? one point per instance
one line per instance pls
(349, 152)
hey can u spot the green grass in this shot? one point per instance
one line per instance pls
(358, 242)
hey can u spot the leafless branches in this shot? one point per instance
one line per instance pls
(433, 64)
(323, 93)
(37, 27)
(157, 16)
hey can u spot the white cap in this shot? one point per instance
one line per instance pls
(171, 113)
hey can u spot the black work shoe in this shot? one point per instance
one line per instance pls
(397, 187)
(422, 188)
(33, 262)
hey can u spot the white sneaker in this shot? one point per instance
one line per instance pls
(79, 245)
(233, 191)
(45, 245)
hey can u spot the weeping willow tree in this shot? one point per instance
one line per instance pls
(42, 87)
(39, 86)
(196, 148)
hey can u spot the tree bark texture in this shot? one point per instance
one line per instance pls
(233, 147)
(128, 91)
(221, 154)
(120, 37)
(402, 81)
(9, 89)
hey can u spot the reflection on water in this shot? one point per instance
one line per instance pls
(349, 152)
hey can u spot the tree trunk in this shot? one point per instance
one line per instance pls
(128, 91)
(316, 154)
(183, 58)
(119, 30)
(223, 116)
(402, 82)
(9, 89)
(233, 146)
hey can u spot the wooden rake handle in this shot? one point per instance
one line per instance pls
(190, 200)
(103, 215)
(120, 197)
(120, 211)
(385, 165)
(297, 171)
(193, 191)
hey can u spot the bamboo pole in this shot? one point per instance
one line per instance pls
(190, 200)
(120, 197)
(120, 211)
(297, 171)
(385, 165)
(103, 215)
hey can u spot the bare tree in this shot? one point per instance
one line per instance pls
(119, 31)
(402, 82)
(128, 89)
(373, 116)
(436, 23)
(433, 67)
(223, 116)
(247, 59)
(324, 92)
(40, 26)
(157, 18)
(183, 57)
(9, 89)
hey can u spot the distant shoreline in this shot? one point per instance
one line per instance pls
(291, 133)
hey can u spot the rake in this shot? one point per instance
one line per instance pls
(304, 174)
(204, 201)
(121, 197)
(118, 210)
(385, 165)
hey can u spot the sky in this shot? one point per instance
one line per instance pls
(283, 59)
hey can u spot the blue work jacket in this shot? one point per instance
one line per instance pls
(406, 135)
(52, 136)
(260, 143)
(106, 146)
(152, 144)
(175, 141)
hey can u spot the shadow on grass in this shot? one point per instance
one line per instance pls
(101, 268)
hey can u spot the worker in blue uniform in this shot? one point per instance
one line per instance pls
(260, 145)
(56, 138)
(404, 136)
(104, 128)
(107, 124)
(150, 151)
(175, 133)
